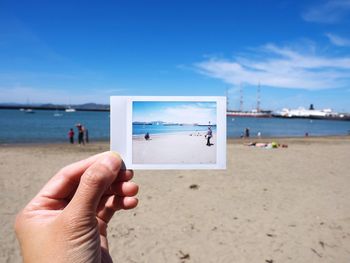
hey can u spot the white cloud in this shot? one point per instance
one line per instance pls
(337, 40)
(190, 114)
(185, 114)
(281, 67)
(329, 12)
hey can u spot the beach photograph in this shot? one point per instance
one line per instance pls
(174, 132)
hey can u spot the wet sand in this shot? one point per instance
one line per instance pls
(270, 205)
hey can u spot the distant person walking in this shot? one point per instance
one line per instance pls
(71, 136)
(209, 135)
(147, 137)
(80, 134)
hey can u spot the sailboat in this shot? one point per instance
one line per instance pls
(256, 113)
(28, 110)
(70, 109)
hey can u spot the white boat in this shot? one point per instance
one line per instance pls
(311, 113)
(57, 114)
(305, 113)
(70, 109)
(29, 111)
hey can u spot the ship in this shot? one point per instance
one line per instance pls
(254, 113)
(311, 113)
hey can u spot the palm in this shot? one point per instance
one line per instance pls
(51, 211)
(75, 207)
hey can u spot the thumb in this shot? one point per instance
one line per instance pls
(93, 184)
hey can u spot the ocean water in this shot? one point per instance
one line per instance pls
(279, 127)
(43, 127)
(157, 129)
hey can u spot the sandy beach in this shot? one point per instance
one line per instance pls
(178, 148)
(270, 205)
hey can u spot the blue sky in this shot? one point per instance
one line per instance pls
(85, 51)
(175, 112)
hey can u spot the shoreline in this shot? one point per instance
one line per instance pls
(229, 140)
(156, 135)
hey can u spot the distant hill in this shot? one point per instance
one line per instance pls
(86, 106)
(93, 106)
(48, 106)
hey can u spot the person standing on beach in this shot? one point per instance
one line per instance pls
(80, 134)
(71, 136)
(86, 134)
(246, 133)
(208, 136)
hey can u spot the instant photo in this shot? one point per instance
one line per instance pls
(169, 132)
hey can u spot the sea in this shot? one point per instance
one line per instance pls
(44, 127)
(139, 129)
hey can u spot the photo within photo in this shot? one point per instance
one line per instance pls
(174, 132)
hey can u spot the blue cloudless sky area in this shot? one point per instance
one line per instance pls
(85, 51)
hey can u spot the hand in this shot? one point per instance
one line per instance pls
(67, 220)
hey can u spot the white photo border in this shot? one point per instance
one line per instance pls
(121, 130)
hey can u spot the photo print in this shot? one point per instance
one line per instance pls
(170, 132)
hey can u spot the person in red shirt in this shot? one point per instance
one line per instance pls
(71, 136)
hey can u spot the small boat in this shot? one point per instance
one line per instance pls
(70, 109)
(57, 114)
(29, 111)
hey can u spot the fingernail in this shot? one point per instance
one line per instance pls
(122, 165)
(115, 154)
(112, 161)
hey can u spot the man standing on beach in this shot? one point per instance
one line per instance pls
(208, 136)
(80, 134)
